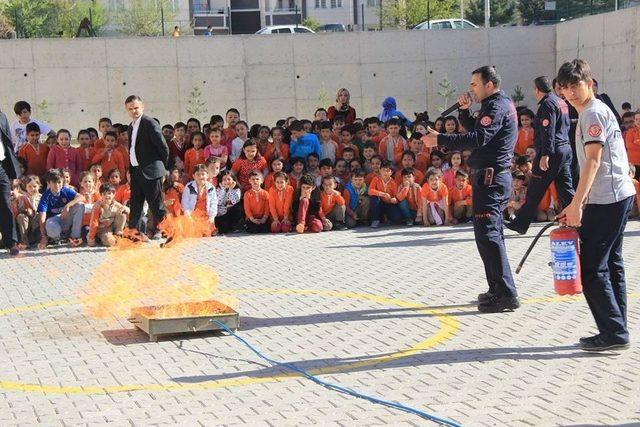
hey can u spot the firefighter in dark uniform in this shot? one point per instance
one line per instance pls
(492, 138)
(553, 158)
(573, 118)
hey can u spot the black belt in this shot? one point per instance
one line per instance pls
(496, 171)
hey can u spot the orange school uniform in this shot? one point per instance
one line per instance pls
(419, 176)
(378, 187)
(269, 152)
(36, 157)
(256, 203)
(280, 203)
(329, 201)
(632, 143)
(370, 177)
(549, 195)
(525, 139)
(123, 194)
(110, 160)
(411, 195)
(192, 157)
(89, 199)
(174, 208)
(431, 195)
(459, 194)
(399, 145)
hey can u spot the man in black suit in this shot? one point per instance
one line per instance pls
(149, 154)
(9, 170)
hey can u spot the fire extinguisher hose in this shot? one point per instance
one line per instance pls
(533, 244)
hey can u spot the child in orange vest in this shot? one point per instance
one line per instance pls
(256, 205)
(280, 200)
(435, 200)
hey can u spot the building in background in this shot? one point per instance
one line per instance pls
(248, 16)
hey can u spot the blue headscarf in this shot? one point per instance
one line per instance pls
(389, 110)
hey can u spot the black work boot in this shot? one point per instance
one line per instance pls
(485, 296)
(498, 304)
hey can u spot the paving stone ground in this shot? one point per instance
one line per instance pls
(346, 304)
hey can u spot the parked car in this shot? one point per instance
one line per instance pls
(284, 29)
(331, 28)
(444, 24)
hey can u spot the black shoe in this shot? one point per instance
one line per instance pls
(597, 343)
(486, 296)
(513, 227)
(583, 340)
(498, 304)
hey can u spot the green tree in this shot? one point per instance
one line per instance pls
(518, 95)
(311, 23)
(446, 90)
(530, 10)
(502, 12)
(196, 105)
(32, 18)
(144, 18)
(408, 13)
(74, 11)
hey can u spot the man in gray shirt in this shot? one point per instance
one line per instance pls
(600, 207)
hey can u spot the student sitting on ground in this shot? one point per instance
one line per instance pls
(306, 206)
(435, 200)
(107, 218)
(332, 205)
(60, 212)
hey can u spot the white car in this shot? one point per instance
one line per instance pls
(445, 24)
(285, 29)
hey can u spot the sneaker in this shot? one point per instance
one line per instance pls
(15, 250)
(597, 343)
(498, 304)
(375, 224)
(587, 339)
(486, 296)
(409, 222)
(513, 227)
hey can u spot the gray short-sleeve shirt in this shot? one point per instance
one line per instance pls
(597, 124)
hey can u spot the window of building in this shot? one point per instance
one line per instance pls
(321, 4)
(336, 4)
(373, 3)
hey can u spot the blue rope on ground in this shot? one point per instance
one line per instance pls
(335, 387)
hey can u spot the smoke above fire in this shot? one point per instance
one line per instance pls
(141, 274)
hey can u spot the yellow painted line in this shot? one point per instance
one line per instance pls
(448, 327)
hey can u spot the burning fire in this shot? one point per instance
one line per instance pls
(154, 276)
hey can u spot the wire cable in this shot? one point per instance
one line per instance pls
(338, 388)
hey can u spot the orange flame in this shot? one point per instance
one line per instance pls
(136, 275)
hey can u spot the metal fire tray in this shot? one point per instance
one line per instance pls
(190, 317)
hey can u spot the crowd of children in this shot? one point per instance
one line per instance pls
(334, 172)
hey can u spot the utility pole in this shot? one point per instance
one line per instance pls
(487, 13)
(461, 11)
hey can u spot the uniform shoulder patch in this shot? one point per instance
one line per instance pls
(595, 131)
(545, 123)
(486, 121)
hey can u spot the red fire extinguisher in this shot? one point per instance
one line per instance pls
(565, 255)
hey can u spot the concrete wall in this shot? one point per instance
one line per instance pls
(611, 44)
(271, 77)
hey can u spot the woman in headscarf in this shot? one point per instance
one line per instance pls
(389, 110)
(342, 107)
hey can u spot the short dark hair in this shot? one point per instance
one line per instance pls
(216, 118)
(307, 179)
(111, 133)
(348, 129)
(326, 162)
(488, 74)
(626, 106)
(32, 127)
(408, 153)
(325, 125)
(406, 172)
(542, 84)
(232, 110)
(21, 105)
(107, 188)
(369, 145)
(179, 125)
(280, 175)
(522, 160)
(53, 175)
(416, 135)
(296, 125)
(394, 121)
(437, 153)
(313, 155)
(574, 72)
(462, 173)
(527, 112)
(385, 164)
(132, 98)
(628, 114)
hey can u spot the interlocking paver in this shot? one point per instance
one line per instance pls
(511, 369)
